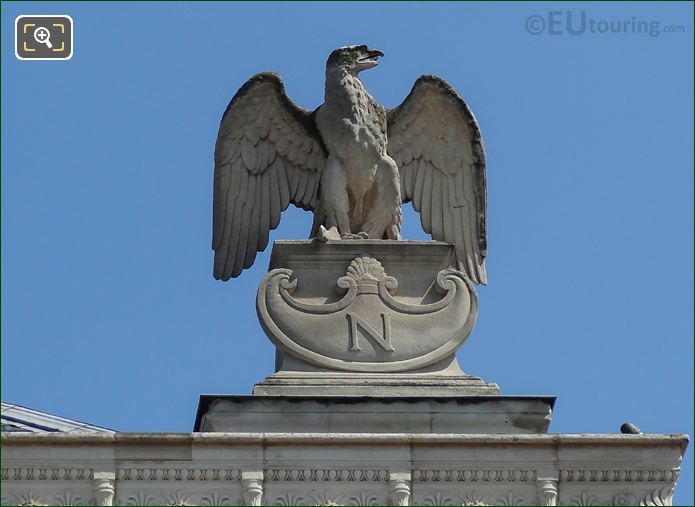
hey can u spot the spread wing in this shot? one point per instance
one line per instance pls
(268, 154)
(435, 140)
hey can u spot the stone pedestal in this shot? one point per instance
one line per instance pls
(367, 318)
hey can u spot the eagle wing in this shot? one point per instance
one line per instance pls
(268, 154)
(436, 143)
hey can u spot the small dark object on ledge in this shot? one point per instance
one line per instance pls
(630, 429)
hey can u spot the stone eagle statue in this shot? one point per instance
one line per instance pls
(352, 162)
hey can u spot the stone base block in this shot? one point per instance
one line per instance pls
(355, 384)
(340, 415)
(296, 378)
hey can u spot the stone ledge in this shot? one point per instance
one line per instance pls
(342, 469)
(551, 439)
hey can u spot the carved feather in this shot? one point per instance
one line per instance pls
(436, 140)
(268, 154)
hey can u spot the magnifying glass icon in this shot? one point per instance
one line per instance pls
(43, 36)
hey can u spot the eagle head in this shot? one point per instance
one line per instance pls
(354, 58)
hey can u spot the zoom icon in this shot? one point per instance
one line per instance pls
(47, 37)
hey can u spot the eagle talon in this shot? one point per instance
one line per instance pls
(325, 235)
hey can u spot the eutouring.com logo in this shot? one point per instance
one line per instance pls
(580, 23)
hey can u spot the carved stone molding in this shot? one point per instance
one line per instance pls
(29, 498)
(624, 498)
(252, 491)
(179, 499)
(472, 499)
(140, 499)
(467, 475)
(326, 500)
(584, 498)
(216, 498)
(399, 488)
(546, 488)
(45, 474)
(367, 329)
(437, 499)
(510, 500)
(104, 488)
(252, 487)
(179, 474)
(289, 499)
(660, 496)
(364, 499)
(329, 474)
(468, 499)
(67, 497)
(670, 475)
(656, 497)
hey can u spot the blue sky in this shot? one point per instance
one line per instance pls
(109, 310)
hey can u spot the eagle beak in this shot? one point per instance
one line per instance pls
(369, 60)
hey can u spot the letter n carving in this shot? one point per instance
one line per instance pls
(384, 341)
